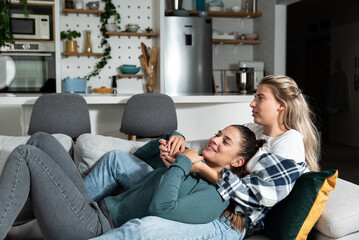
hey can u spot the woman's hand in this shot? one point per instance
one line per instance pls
(170, 149)
(176, 144)
(193, 155)
(164, 153)
(198, 167)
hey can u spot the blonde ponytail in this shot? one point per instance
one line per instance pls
(297, 115)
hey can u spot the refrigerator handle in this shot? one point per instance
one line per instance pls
(188, 39)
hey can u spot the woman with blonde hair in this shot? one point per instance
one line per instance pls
(297, 115)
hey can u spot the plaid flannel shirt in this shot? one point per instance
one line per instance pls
(271, 180)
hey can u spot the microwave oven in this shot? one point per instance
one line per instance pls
(31, 27)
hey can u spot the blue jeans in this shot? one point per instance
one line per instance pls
(44, 173)
(123, 168)
(117, 168)
(159, 229)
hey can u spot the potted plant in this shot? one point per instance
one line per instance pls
(110, 15)
(69, 35)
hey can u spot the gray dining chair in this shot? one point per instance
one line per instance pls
(148, 115)
(65, 113)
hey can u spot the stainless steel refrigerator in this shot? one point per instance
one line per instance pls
(188, 55)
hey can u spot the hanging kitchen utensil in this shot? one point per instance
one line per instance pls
(145, 52)
(152, 67)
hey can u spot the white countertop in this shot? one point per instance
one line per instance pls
(29, 99)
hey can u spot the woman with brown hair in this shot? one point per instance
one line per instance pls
(44, 172)
(283, 118)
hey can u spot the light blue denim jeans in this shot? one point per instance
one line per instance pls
(123, 168)
(117, 168)
(157, 228)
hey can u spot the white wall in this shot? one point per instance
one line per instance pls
(280, 35)
(264, 25)
(280, 39)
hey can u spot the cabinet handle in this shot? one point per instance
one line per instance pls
(339, 64)
(355, 63)
(356, 82)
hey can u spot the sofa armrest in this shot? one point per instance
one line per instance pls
(9, 143)
(340, 216)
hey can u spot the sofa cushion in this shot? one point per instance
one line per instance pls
(295, 216)
(90, 148)
(340, 217)
(8, 143)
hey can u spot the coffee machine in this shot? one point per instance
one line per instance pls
(249, 76)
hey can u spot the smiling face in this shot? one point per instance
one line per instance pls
(266, 110)
(222, 149)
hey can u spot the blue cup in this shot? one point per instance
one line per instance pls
(75, 85)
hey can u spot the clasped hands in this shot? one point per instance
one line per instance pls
(176, 145)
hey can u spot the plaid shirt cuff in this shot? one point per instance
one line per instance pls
(227, 184)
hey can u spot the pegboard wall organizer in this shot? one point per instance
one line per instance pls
(125, 48)
(81, 11)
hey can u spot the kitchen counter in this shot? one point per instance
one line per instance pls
(199, 116)
(29, 99)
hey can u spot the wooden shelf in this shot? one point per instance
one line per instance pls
(130, 76)
(81, 11)
(222, 14)
(235, 41)
(67, 54)
(148, 35)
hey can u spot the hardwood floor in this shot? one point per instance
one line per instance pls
(341, 157)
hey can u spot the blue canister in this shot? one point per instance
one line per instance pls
(200, 5)
(75, 85)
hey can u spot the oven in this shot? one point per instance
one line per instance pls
(28, 67)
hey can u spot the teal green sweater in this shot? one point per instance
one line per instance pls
(170, 193)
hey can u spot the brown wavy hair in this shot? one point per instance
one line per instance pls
(249, 146)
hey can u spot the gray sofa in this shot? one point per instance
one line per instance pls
(339, 220)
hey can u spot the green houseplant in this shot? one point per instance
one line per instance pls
(6, 38)
(109, 13)
(69, 36)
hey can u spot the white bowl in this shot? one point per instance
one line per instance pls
(132, 29)
(215, 8)
(250, 36)
(236, 8)
(111, 27)
(132, 25)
